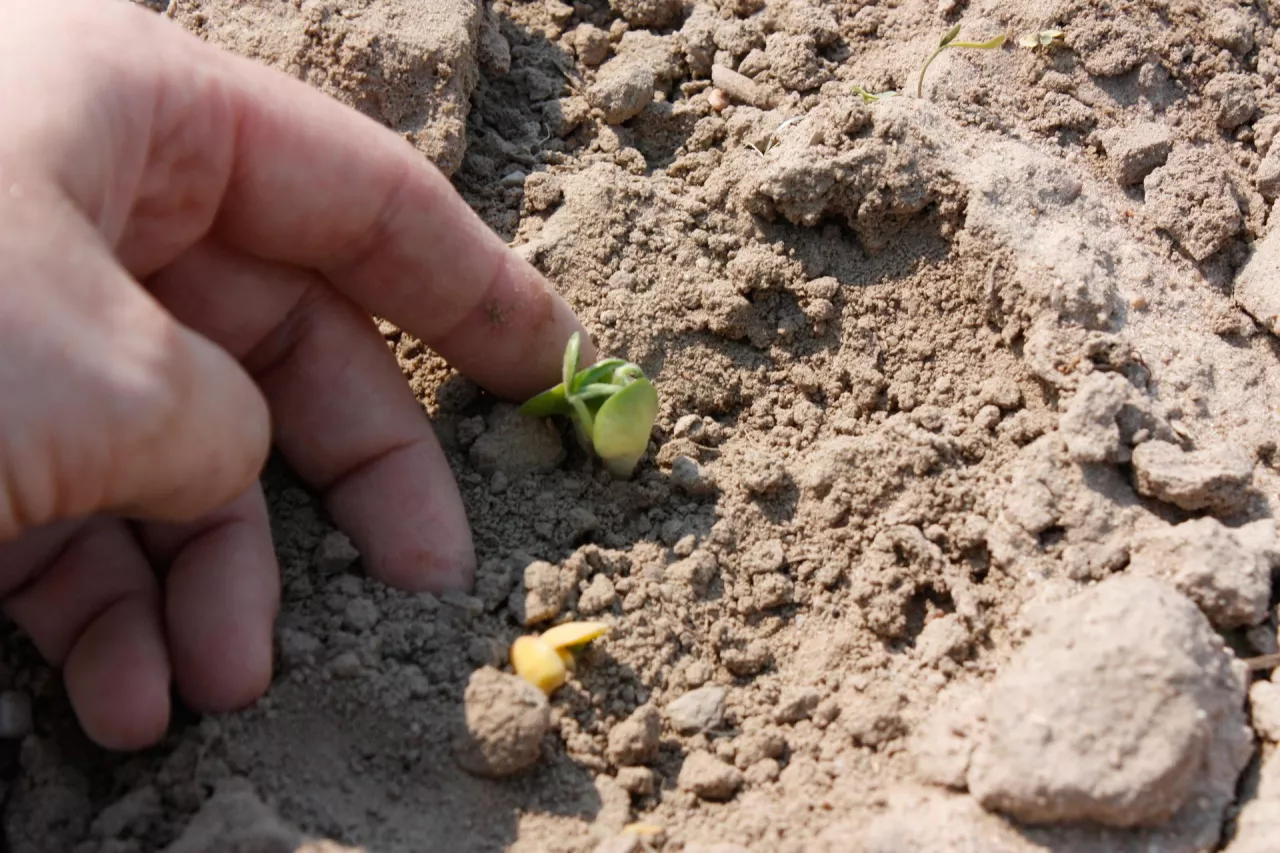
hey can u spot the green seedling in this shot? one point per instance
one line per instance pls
(949, 40)
(869, 98)
(1044, 38)
(611, 403)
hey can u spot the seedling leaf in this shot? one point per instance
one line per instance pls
(1044, 38)
(597, 390)
(582, 420)
(550, 402)
(572, 352)
(869, 98)
(570, 635)
(948, 40)
(622, 427)
(611, 403)
(989, 44)
(601, 371)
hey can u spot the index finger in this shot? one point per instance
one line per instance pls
(321, 186)
(271, 166)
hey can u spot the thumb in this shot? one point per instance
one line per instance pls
(107, 403)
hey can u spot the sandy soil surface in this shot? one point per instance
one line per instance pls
(958, 523)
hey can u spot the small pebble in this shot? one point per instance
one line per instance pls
(360, 615)
(506, 718)
(692, 478)
(685, 545)
(622, 90)
(796, 704)
(345, 665)
(698, 710)
(335, 553)
(709, 778)
(598, 597)
(718, 100)
(697, 674)
(750, 660)
(689, 426)
(638, 781)
(635, 739)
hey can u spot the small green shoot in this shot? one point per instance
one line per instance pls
(949, 40)
(1044, 38)
(611, 403)
(869, 98)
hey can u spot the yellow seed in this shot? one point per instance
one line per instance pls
(570, 662)
(645, 830)
(572, 634)
(538, 663)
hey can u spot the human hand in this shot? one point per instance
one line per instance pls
(192, 245)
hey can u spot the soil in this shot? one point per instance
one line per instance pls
(958, 523)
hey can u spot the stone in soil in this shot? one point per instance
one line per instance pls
(1190, 197)
(1111, 712)
(708, 777)
(635, 739)
(1136, 150)
(506, 718)
(1257, 287)
(1214, 479)
(698, 710)
(1226, 572)
(623, 88)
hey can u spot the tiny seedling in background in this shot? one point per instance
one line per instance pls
(949, 40)
(612, 406)
(1044, 38)
(869, 98)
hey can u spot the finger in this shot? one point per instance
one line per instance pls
(222, 594)
(129, 411)
(281, 171)
(323, 187)
(93, 607)
(344, 415)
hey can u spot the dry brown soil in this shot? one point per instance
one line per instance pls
(958, 522)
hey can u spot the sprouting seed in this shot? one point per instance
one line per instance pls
(611, 403)
(538, 663)
(1044, 38)
(949, 40)
(570, 635)
(546, 660)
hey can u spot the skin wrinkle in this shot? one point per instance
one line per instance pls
(153, 212)
(370, 261)
(55, 646)
(280, 343)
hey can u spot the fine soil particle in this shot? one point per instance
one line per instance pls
(958, 514)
